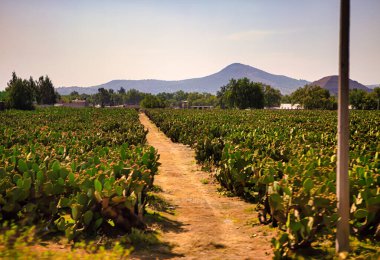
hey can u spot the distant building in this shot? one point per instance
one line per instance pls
(184, 104)
(202, 107)
(290, 106)
(76, 103)
(131, 106)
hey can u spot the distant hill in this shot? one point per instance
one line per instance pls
(373, 86)
(331, 84)
(211, 83)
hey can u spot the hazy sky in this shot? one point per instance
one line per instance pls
(79, 42)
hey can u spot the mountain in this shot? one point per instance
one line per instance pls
(211, 83)
(331, 84)
(373, 86)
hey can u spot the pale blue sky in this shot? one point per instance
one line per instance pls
(83, 42)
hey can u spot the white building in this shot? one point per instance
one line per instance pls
(291, 106)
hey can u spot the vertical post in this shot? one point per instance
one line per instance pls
(343, 228)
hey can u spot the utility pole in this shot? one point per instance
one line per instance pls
(343, 228)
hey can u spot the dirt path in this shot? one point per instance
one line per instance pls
(204, 224)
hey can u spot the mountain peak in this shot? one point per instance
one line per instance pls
(233, 67)
(211, 83)
(331, 84)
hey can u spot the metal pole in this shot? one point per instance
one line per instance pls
(343, 228)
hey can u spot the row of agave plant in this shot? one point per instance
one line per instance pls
(285, 161)
(75, 171)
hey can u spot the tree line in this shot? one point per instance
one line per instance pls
(110, 97)
(238, 93)
(24, 93)
(315, 97)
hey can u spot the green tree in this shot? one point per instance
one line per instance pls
(133, 97)
(376, 96)
(360, 99)
(272, 97)
(45, 93)
(286, 99)
(180, 95)
(121, 91)
(312, 97)
(3, 95)
(151, 101)
(241, 93)
(103, 97)
(20, 94)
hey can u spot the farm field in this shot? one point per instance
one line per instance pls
(285, 161)
(78, 183)
(199, 221)
(78, 173)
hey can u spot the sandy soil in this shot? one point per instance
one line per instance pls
(202, 224)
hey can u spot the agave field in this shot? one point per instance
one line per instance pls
(74, 171)
(285, 162)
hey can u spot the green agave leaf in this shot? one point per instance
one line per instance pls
(2, 172)
(48, 188)
(98, 185)
(82, 199)
(35, 167)
(69, 233)
(40, 176)
(64, 173)
(60, 181)
(22, 166)
(64, 203)
(71, 178)
(374, 201)
(98, 223)
(56, 167)
(60, 224)
(27, 183)
(308, 184)
(295, 226)
(123, 154)
(75, 211)
(20, 183)
(98, 197)
(96, 160)
(87, 217)
(119, 190)
(361, 213)
(107, 185)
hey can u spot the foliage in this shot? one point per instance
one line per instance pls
(242, 94)
(151, 101)
(121, 91)
(20, 242)
(134, 97)
(3, 95)
(286, 99)
(103, 97)
(74, 171)
(20, 93)
(360, 99)
(285, 161)
(44, 91)
(272, 97)
(376, 96)
(313, 97)
(193, 98)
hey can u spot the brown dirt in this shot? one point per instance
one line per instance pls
(204, 224)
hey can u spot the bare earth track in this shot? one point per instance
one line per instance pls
(205, 224)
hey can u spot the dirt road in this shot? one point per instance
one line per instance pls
(203, 223)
